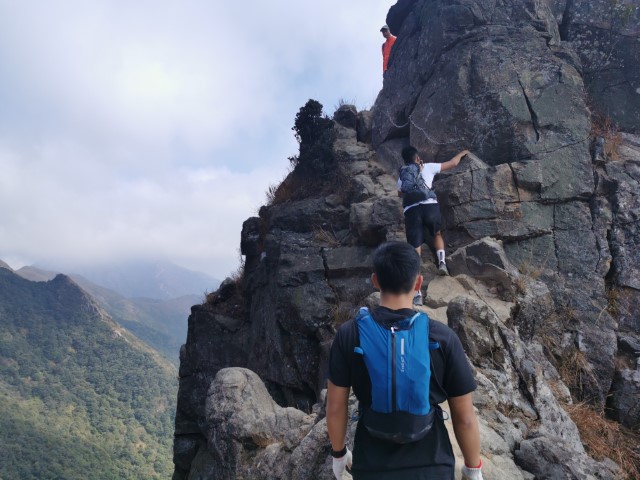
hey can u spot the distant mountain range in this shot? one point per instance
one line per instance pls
(80, 396)
(160, 323)
(158, 280)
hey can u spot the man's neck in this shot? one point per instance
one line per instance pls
(396, 302)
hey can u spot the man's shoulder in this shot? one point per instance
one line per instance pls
(345, 334)
(347, 326)
(439, 332)
(433, 167)
(412, 167)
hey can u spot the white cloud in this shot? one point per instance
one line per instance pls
(154, 127)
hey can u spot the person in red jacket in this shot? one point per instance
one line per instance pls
(386, 47)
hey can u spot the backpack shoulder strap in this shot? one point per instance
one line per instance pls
(356, 336)
(362, 314)
(433, 345)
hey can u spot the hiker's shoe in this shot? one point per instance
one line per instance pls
(442, 269)
(417, 298)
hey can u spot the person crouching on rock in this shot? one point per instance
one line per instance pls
(420, 204)
(401, 365)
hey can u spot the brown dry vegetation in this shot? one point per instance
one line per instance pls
(285, 191)
(601, 437)
(325, 237)
(575, 370)
(602, 126)
(604, 438)
(530, 271)
(236, 303)
(342, 312)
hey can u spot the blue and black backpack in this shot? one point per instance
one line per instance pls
(398, 361)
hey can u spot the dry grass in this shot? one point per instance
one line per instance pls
(341, 313)
(521, 284)
(344, 101)
(285, 191)
(210, 297)
(602, 126)
(238, 279)
(530, 271)
(613, 301)
(508, 410)
(604, 438)
(298, 185)
(551, 341)
(325, 237)
(238, 275)
(527, 269)
(570, 314)
(575, 370)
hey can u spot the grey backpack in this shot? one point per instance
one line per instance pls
(413, 186)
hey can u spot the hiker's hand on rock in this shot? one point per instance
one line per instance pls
(464, 152)
(341, 464)
(469, 473)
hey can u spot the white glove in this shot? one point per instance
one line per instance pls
(469, 473)
(340, 464)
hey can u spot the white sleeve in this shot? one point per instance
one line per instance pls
(431, 169)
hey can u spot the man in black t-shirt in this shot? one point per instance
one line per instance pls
(396, 275)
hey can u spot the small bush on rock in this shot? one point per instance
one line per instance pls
(314, 134)
(603, 127)
(316, 170)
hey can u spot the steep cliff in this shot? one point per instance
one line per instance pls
(497, 78)
(541, 224)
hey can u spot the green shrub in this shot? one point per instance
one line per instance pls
(315, 136)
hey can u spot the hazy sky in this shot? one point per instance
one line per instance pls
(152, 128)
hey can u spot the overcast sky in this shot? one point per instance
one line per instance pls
(152, 128)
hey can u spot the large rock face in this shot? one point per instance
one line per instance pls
(606, 35)
(499, 79)
(491, 76)
(542, 232)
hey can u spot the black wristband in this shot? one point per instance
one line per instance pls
(340, 453)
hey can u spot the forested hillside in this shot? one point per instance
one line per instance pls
(159, 323)
(80, 397)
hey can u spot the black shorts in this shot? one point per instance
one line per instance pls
(419, 217)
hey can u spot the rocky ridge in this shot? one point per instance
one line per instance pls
(541, 224)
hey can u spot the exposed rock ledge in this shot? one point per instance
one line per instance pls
(519, 398)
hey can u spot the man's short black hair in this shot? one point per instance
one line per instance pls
(409, 154)
(397, 265)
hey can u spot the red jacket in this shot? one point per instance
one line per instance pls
(386, 51)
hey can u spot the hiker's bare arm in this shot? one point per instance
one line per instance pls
(337, 412)
(449, 164)
(465, 426)
(399, 193)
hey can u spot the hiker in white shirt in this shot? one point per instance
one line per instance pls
(420, 205)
